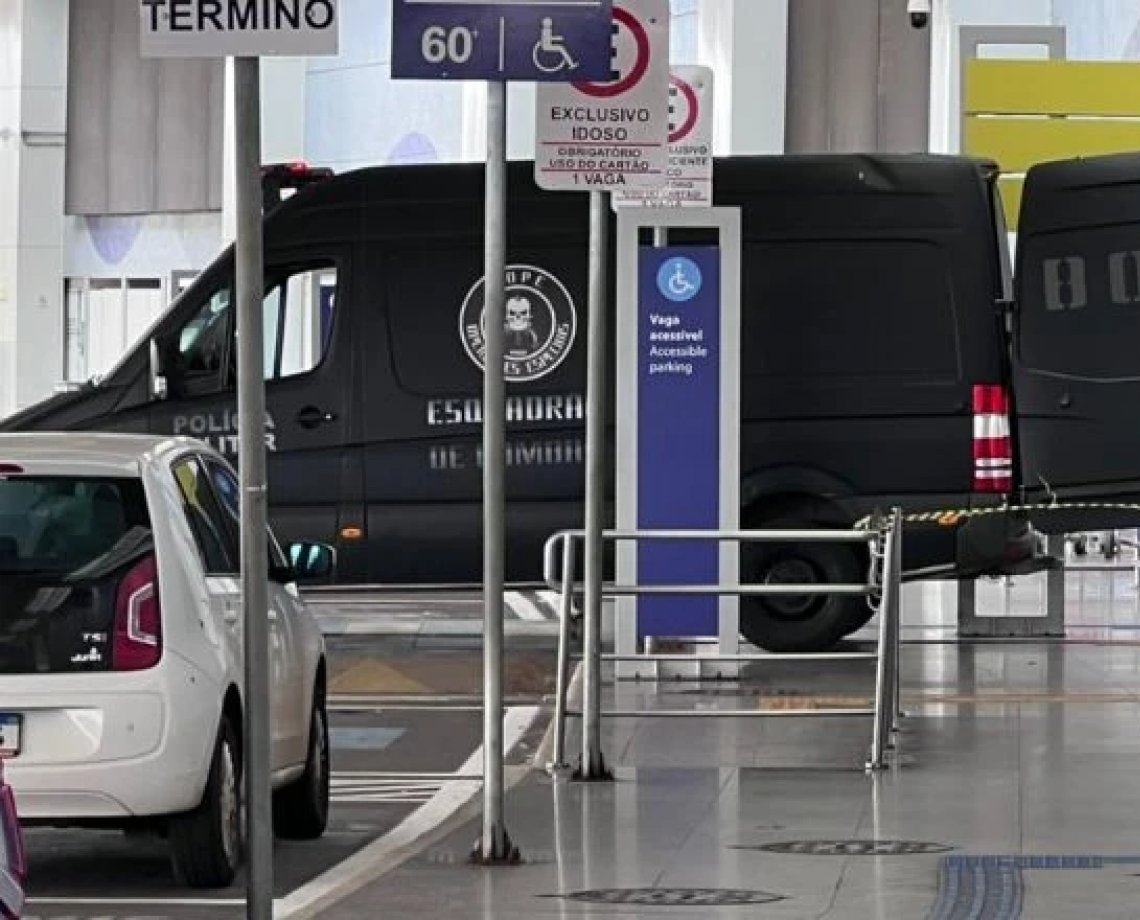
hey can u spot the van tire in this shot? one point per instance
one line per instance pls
(801, 623)
(301, 809)
(206, 844)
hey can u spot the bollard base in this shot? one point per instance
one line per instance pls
(595, 773)
(507, 856)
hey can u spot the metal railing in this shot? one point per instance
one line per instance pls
(882, 588)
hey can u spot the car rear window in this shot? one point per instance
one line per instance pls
(62, 524)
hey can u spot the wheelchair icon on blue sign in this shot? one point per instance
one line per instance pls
(679, 279)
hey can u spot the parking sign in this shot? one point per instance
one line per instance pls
(689, 175)
(533, 40)
(611, 135)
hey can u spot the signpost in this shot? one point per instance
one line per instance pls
(247, 29)
(534, 40)
(541, 40)
(599, 137)
(689, 174)
(613, 135)
(679, 397)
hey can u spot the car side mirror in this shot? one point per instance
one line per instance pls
(159, 389)
(312, 561)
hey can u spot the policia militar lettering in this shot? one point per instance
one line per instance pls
(890, 356)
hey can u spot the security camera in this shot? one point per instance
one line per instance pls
(919, 12)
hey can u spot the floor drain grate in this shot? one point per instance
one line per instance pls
(852, 848)
(673, 897)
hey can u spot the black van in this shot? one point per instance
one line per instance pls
(887, 359)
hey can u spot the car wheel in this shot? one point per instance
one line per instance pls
(206, 844)
(301, 809)
(805, 622)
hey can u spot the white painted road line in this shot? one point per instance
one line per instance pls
(389, 788)
(400, 843)
(523, 607)
(136, 902)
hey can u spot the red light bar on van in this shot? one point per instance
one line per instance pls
(993, 446)
(10, 469)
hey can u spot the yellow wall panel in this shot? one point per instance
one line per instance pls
(1052, 88)
(1011, 189)
(1018, 143)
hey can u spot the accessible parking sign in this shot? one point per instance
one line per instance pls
(531, 40)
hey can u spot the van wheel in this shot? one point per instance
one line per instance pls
(206, 844)
(802, 622)
(301, 809)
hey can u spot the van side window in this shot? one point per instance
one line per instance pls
(205, 343)
(299, 309)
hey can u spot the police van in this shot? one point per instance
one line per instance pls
(889, 358)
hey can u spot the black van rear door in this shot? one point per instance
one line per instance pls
(1076, 356)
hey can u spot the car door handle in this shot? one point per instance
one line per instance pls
(312, 417)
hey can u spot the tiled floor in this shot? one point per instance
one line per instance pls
(1011, 750)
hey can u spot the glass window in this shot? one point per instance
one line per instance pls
(229, 492)
(63, 525)
(204, 344)
(299, 312)
(216, 541)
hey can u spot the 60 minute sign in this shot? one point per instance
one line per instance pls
(534, 40)
(440, 45)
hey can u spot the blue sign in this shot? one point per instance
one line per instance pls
(678, 433)
(553, 41)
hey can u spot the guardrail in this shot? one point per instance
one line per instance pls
(883, 589)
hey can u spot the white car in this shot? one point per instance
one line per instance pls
(121, 666)
(12, 868)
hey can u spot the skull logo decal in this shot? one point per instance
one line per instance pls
(540, 325)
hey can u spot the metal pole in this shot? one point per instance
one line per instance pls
(593, 764)
(883, 694)
(896, 644)
(251, 433)
(495, 845)
(562, 683)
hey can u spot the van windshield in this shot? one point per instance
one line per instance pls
(69, 527)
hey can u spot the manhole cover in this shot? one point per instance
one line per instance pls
(674, 897)
(852, 848)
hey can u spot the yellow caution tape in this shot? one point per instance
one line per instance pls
(951, 517)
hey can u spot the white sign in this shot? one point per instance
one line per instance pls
(689, 176)
(611, 135)
(242, 28)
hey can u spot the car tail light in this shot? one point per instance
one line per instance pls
(13, 838)
(993, 446)
(138, 619)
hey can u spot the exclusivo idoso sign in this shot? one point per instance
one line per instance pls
(613, 135)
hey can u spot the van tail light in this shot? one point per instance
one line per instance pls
(993, 446)
(138, 619)
(13, 838)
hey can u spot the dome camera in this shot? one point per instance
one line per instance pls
(919, 12)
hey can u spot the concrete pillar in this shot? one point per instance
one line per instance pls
(858, 77)
(33, 119)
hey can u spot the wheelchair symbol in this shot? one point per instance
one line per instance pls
(679, 279)
(550, 54)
